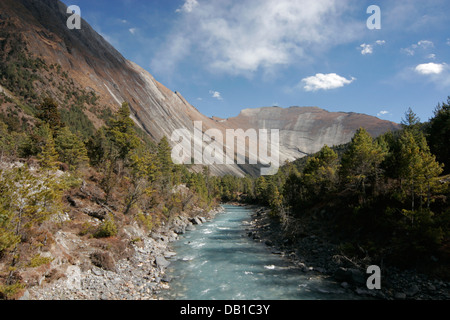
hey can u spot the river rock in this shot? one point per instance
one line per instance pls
(161, 262)
(196, 220)
(400, 296)
(190, 227)
(169, 254)
(412, 291)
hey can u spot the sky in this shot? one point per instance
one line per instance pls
(343, 55)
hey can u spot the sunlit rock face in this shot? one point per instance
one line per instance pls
(95, 65)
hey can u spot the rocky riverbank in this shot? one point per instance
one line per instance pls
(315, 255)
(140, 276)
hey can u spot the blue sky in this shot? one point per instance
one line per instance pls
(227, 55)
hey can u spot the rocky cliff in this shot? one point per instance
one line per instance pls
(94, 66)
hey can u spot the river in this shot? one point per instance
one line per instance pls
(218, 261)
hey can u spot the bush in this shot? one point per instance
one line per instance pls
(38, 260)
(107, 229)
(103, 260)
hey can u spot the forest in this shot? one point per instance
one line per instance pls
(383, 197)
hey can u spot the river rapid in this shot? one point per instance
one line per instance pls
(218, 261)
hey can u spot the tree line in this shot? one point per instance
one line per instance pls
(385, 197)
(40, 166)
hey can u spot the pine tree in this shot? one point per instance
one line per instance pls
(165, 164)
(320, 172)
(26, 200)
(48, 156)
(417, 166)
(439, 134)
(121, 132)
(140, 177)
(48, 112)
(361, 163)
(70, 148)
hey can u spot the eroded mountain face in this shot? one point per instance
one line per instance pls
(92, 66)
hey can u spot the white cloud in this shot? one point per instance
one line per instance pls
(368, 48)
(188, 6)
(383, 113)
(216, 95)
(425, 44)
(422, 44)
(431, 56)
(325, 82)
(132, 30)
(242, 37)
(430, 68)
(448, 41)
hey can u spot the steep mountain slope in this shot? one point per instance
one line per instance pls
(305, 130)
(90, 79)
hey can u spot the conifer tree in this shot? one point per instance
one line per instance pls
(70, 148)
(439, 134)
(121, 132)
(361, 163)
(48, 156)
(48, 112)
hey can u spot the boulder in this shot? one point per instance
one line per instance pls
(161, 262)
(196, 220)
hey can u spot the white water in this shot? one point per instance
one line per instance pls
(217, 261)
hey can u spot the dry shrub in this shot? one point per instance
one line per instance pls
(103, 260)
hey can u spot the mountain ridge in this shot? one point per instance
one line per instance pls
(96, 67)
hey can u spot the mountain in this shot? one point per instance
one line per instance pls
(90, 79)
(305, 130)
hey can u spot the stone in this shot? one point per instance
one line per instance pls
(412, 291)
(161, 262)
(169, 254)
(25, 296)
(97, 271)
(190, 227)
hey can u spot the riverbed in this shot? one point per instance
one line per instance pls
(218, 261)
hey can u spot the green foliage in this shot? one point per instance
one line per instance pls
(26, 200)
(360, 164)
(78, 121)
(121, 132)
(439, 134)
(9, 292)
(70, 148)
(39, 260)
(48, 113)
(108, 228)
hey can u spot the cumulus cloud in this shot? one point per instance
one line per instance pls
(368, 48)
(216, 94)
(430, 68)
(241, 37)
(325, 82)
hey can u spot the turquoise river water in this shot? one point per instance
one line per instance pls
(218, 261)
